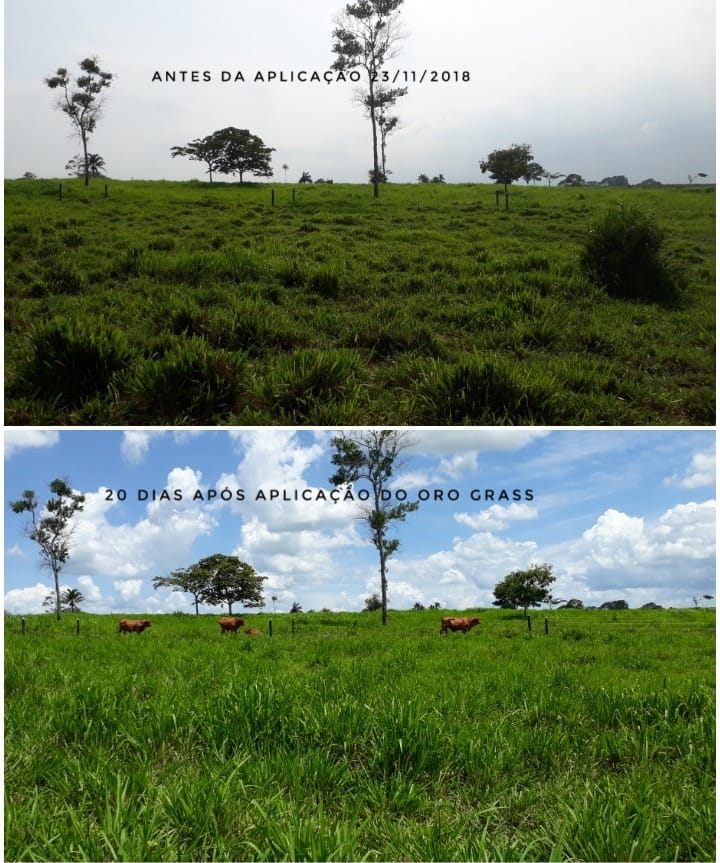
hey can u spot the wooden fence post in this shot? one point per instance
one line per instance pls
(507, 198)
(272, 197)
(546, 626)
(293, 626)
(529, 623)
(270, 628)
(77, 626)
(106, 190)
(22, 625)
(293, 194)
(60, 191)
(497, 199)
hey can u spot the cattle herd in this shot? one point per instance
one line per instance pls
(232, 624)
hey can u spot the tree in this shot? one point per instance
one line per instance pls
(366, 36)
(373, 456)
(82, 100)
(243, 153)
(552, 175)
(305, 177)
(229, 580)
(95, 165)
(285, 168)
(191, 580)
(70, 599)
(296, 608)
(207, 150)
(423, 178)
(51, 527)
(525, 588)
(373, 603)
(508, 165)
(572, 180)
(533, 173)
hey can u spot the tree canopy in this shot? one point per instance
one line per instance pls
(525, 588)
(366, 36)
(51, 527)
(217, 580)
(506, 166)
(82, 99)
(230, 151)
(373, 456)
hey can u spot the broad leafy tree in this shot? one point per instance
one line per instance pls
(534, 173)
(243, 153)
(82, 100)
(525, 588)
(207, 150)
(51, 527)
(373, 456)
(506, 166)
(192, 580)
(217, 580)
(229, 151)
(366, 36)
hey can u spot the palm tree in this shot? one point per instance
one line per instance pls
(285, 168)
(296, 608)
(72, 598)
(274, 600)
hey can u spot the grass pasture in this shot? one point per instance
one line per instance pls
(349, 741)
(186, 303)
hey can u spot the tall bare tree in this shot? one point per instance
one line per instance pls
(373, 456)
(50, 527)
(366, 35)
(82, 99)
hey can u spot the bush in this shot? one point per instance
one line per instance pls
(190, 384)
(71, 361)
(623, 255)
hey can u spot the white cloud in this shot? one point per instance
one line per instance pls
(497, 517)
(17, 439)
(26, 600)
(135, 444)
(128, 588)
(700, 471)
(15, 551)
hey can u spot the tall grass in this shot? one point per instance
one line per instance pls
(340, 739)
(416, 285)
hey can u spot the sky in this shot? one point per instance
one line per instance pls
(598, 89)
(618, 513)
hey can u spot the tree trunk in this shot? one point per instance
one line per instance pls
(376, 179)
(85, 153)
(56, 576)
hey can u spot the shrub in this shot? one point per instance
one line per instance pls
(71, 361)
(191, 383)
(622, 254)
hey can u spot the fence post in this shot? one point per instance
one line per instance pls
(293, 194)
(77, 626)
(507, 198)
(546, 626)
(272, 197)
(22, 625)
(497, 199)
(60, 191)
(293, 626)
(106, 190)
(529, 623)
(270, 628)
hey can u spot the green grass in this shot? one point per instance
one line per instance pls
(344, 740)
(428, 306)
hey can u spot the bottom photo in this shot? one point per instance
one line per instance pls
(360, 644)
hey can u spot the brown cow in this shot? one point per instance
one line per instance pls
(252, 631)
(458, 624)
(133, 625)
(230, 624)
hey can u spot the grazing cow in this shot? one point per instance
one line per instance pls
(458, 624)
(133, 625)
(230, 624)
(252, 631)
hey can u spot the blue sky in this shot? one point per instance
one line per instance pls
(620, 514)
(599, 89)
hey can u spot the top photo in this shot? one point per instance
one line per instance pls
(387, 212)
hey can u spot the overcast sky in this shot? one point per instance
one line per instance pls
(599, 89)
(620, 514)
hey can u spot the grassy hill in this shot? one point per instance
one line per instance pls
(176, 303)
(340, 739)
